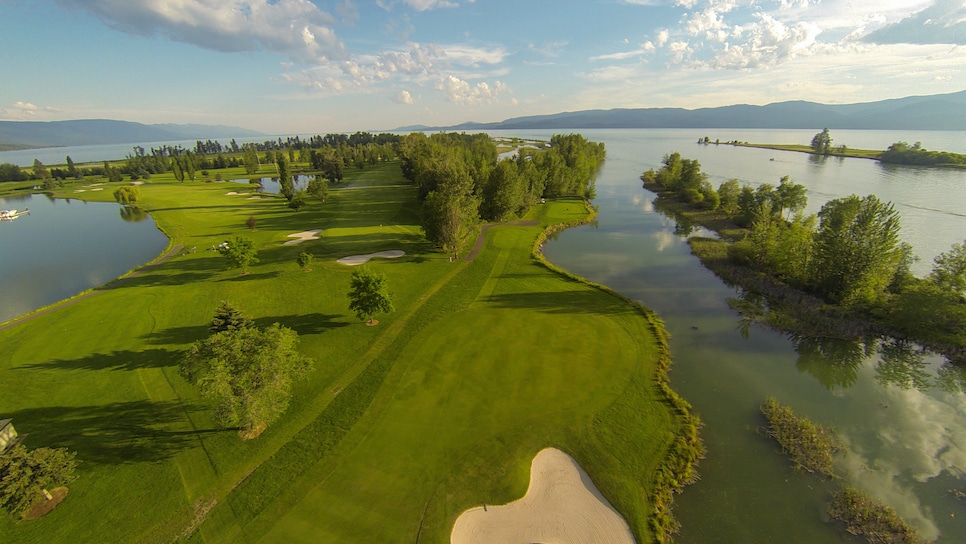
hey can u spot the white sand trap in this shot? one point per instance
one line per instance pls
(254, 198)
(80, 190)
(94, 185)
(97, 189)
(356, 260)
(231, 193)
(561, 506)
(303, 236)
(137, 183)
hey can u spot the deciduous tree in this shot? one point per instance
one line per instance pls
(369, 294)
(248, 372)
(240, 252)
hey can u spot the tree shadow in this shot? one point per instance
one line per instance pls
(562, 302)
(252, 277)
(113, 433)
(304, 324)
(117, 360)
(177, 335)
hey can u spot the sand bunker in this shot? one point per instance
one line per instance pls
(355, 260)
(97, 189)
(254, 198)
(302, 236)
(80, 190)
(231, 193)
(562, 506)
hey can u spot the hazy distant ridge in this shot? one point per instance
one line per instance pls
(936, 112)
(106, 131)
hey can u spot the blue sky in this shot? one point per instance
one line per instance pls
(313, 66)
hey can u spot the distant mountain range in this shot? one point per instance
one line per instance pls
(25, 134)
(936, 112)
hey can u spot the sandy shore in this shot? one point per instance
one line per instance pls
(303, 236)
(561, 506)
(356, 260)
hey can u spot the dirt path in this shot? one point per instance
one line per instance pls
(481, 239)
(175, 249)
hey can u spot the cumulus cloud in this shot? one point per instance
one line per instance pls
(403, 97)
(296, 28)
(646, 48)
(942, 22)
(766, 42)
(460, 92)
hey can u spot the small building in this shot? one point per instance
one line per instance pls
(8, 435)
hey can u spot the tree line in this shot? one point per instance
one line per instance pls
(848, 254)
(460, 181)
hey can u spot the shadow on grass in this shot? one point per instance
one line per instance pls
(562, 302)
(177, 335)
(252, 277)
(112, 433)
(117, 360)
(305, 324)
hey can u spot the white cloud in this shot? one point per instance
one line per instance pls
(403, 97)
(766, 42)
(296, 28)
(625, 54)
(418, 5)
(460, 92)
(680, 51)
(21, 110)
(662, 37)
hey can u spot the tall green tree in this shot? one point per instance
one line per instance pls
(285, 185)
(248, 372)
(250, 160)
(369, 293)
(240, 252)
(949, 270)
(857, 249)
(26, 475)
(790, 197)
(504, 192)
(822, 143)
(72, 170)
(319, 188)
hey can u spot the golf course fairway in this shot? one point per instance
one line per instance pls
(399, 428)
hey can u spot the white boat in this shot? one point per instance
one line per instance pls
(10, 215)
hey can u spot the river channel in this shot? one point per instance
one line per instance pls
(901, 413)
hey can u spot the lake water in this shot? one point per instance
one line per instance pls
(66, 246)
(901, 413)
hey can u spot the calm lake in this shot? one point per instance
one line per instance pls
(66, 246)
(901, 413)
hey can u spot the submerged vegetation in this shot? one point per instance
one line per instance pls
(866, 517)
(810, 446)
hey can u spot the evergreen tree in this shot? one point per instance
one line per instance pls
(228, 318)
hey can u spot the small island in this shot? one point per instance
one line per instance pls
(900, 152)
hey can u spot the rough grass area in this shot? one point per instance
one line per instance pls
(399, 428)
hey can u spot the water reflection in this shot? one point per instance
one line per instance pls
(902, 364)
(132, 214)
(834, 362)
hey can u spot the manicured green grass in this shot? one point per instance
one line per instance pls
(400, 427)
